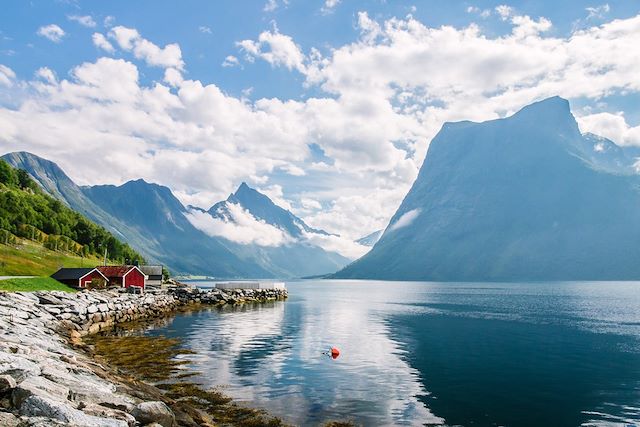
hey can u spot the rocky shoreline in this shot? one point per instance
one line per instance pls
(47, 379)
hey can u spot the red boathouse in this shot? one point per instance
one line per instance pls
(124, 275)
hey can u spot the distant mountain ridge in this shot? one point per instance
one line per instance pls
(527, 197)
(152, 220)
(299, 255)
(263, 208)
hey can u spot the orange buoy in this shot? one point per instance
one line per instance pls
(335, 352)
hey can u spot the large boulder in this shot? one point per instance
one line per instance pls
(36, 406)
(38, 386)
(154, 412)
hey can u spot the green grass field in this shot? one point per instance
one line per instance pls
(33, 284)
(28, 258)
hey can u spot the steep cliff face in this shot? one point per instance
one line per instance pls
(522, 198)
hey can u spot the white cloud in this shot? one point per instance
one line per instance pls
(369, 29)
(230, 61)
(293, 170)
(46, 74)
(241, 227)
(613, 126)
(85, 21)
(100, 41)
(275, 48)
(205, 30)
(406, 219)
(108, 21)
(6, 76)
(247, 91)
(310, 204)
(345, 247)
(173, 77)
(270, 6)
(52, 32)
(376, 104)
(130, 40)
(483, 13)
(598, 12)
(329, 6)
(354, 211)
(504, 11)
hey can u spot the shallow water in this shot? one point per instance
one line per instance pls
(472, 354)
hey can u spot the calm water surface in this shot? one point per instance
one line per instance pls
(471, 354)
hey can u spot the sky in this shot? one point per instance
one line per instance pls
(327, 106)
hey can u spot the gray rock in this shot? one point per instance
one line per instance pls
(42, 407)
(52, 310)
(103, 308)
(38, 386)
(8, 420)
(101, 411)
(20, 314)
(154, 412)
(47, 298)
(92, 309)
(17, 367)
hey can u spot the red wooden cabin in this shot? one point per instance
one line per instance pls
(81, 277)
(124, 275)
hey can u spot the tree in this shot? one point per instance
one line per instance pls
(7, 174)
(24, 180)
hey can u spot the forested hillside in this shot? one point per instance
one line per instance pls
(26, 211)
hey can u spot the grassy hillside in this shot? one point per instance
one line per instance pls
(33, 284)
(27, 211)
(30, 258)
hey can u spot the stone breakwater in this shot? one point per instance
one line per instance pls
(45, 382)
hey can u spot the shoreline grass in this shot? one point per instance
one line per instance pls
(32, 284)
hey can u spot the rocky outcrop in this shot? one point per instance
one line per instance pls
(45, 382)
(227, 296)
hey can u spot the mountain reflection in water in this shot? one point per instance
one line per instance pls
(521, 354)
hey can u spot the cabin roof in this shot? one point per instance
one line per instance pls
(151, 270)
(71, 273)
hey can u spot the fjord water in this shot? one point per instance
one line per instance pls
(471, 354)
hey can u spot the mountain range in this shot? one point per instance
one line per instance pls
(153, 221)
(527, 197)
